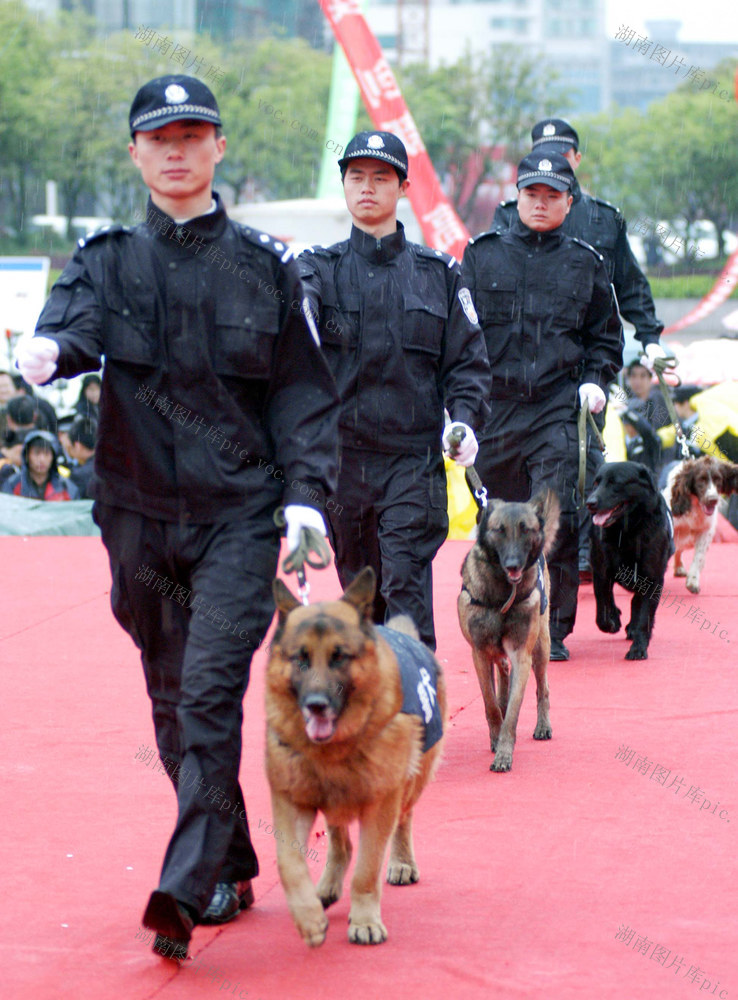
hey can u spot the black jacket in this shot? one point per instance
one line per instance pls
(601, 225)
(209, 367)
(545, 305)
(401, 338)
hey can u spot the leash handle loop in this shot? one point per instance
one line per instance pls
(660, 367)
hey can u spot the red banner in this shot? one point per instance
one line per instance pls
(441, 226)
(719, 293)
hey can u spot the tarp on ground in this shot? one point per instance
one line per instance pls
(20, 516)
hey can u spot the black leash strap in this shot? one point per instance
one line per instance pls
(584, 417)
(476, 486)
(312, 550)
(660, 366)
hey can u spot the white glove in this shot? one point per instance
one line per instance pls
(593, 396)
(297, 517)
(650, 353)
(35, 358)
(467, 451)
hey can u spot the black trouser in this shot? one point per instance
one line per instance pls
(394, 519)
(526, 447)
(594, 461)
(197, 601)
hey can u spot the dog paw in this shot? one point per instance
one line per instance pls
(693, 585)
(502, 761)
(680, 571)
(542, 731)
(313, 929)
(328, 897)
(637, 652)
(401, 873)
(608, 620)
(373, 932)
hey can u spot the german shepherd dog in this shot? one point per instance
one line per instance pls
(503, 612)
(339, 741)
(631, 542)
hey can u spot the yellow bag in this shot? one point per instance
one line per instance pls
(462, 508)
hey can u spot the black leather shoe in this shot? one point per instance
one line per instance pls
(173, 924)
(228, 899)
(558, 650)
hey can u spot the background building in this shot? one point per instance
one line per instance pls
(647, 68)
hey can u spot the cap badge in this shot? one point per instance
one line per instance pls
(545, 165)
(549, 129)
(375, 142)
(174, 94)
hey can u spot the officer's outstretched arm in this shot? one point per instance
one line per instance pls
(72, 319)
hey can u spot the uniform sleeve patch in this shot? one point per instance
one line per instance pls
(467, 305)
(309, 319)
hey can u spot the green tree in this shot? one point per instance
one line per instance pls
(480, 106)
(677, 161)
(25, 52)
(274, 107)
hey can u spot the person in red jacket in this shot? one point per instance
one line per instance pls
(39, 478)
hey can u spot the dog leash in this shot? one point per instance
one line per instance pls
(476, 487)
(661, 365)
(585, 416)
(311, 551)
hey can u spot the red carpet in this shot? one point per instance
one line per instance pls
(586, 872)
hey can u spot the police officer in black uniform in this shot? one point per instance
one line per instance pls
(206, 375)
(600, 224)
(401, 337)
(546, 307)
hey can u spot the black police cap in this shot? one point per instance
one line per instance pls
(545, 168)
(172, 98)
(554, 132)
(377, 146)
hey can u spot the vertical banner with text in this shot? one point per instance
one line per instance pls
(441, 226)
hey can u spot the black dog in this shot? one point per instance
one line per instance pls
(632, 540)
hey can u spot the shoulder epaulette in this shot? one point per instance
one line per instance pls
(608, 204)
(587, 246)
(446, 258)
(508, 203)
(489, 232)
(334, 250)
(267, 242)
(97, 234)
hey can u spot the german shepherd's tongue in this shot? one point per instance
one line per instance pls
(319, 727)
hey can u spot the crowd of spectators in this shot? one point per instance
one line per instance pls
(44, 456)
(645, 418)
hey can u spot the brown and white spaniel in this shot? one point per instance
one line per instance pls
(692, 492)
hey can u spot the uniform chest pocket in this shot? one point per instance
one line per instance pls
(130, 331)
(246, 337)
(339, 319)
(424, 321)
(573, 296)
(497, 301)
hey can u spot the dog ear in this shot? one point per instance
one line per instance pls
(360, 592)
(681, 491)
(646, 476)
(284, 599)
(548, 510)
(728, 474)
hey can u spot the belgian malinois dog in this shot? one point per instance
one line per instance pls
(503, 611)
(344, 738)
